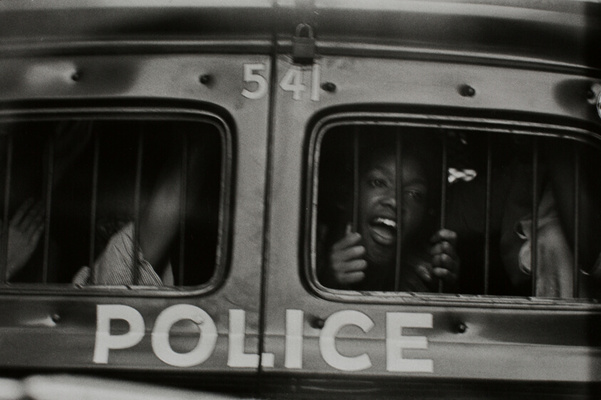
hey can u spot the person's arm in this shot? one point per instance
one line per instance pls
(561, 170)
(24, 232)
(159, 223)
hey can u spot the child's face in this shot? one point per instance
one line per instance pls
(378, 205)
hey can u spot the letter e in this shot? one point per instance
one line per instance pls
(396, 342)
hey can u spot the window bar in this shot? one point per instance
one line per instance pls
(488, 213)
(443, 192)
(576, 272)
(534, 227)
(182, 209)
(356, 183)
(48, 206)
(7, 183)
(399, 209)
(94, 203)
(137, 196)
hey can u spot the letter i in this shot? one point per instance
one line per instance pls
(294, 339)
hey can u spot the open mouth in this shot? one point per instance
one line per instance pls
(383, 230)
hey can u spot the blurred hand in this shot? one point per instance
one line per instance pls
(444, 259)
(346, 259)
(24, 232)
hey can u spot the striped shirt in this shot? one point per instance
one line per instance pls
(115, 266)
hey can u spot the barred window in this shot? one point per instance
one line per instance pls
(509, 212)
(112, 201)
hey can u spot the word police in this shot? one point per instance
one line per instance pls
(237, 358)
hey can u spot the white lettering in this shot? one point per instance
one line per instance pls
(293, 82)
(396, 342)
(236, 338)
(315, 82)
(267, 360)
(335, 352)
(294, 339)
(105, 313)
(206, 342)
(251, 74)
(327, 340)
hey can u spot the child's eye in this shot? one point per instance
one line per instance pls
(377, 183)
(415, 195)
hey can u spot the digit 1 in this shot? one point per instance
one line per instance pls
(315, 79)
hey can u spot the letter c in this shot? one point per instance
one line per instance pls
(327, 340)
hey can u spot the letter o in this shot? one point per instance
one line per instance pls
(162, 327)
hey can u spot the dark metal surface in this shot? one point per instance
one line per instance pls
(490, 66)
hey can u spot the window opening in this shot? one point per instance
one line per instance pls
(111, 201)
(520, 218)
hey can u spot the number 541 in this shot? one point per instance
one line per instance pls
(291, 82)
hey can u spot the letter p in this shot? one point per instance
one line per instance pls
(105, 341)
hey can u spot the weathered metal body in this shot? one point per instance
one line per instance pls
(532, 66)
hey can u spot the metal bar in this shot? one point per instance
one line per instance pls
(488, 214)
(576, 288)
(399, 209)
(137, 199)
(48, 206)
(534, 227)
(356, 180)
(182, 209)
(94, 204)
(5, 217)
(443, 182)
(443, 192)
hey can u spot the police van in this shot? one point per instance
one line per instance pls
(303, 199)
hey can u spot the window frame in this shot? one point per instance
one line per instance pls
(127, 112)
(308, 250)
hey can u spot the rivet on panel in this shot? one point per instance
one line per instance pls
(76, 76)
(205, 79)
(316, 323)
(328, 87)
(461, 327)
(590, 94)
(467, 91)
